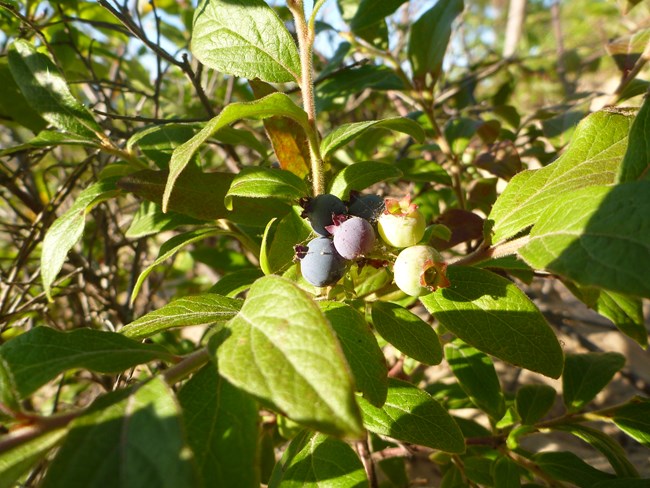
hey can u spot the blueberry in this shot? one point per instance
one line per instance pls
(319, 211)
(353, 237)
(367, 207)
(320, 264)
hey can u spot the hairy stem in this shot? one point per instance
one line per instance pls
(305, 32)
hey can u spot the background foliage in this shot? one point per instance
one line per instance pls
(156, 330)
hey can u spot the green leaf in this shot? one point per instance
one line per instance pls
(429, 38)
(361, 175)
(597, 236)
(8, 392)
(149, 219)
(315, 461)
(232, 284)
(407, 332)
(244, 38)
(604, 443)
(282, 349)
(291, 230)
(365, 357)
(128, 438)
(337, 88)
(534, 401)
(624, 311)
(592, 158)
(48, 138)
(421, 170)
(634, 420)
(371, 12)
(170, 248)
(585, 375)
(47, 92)
(13, 105)
(345, 133)
(507, 474)
(412, 415)
(40, 355)
(15, 462)
(477, 377)
(493, 315)
(256, 182)
(222, 429)
(636, 162)
(201, 196)
(68, 228)
(274, 104)
(184, 312)
(566, 466)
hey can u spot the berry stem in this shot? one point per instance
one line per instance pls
(306, 33)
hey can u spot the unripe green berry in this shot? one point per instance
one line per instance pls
(419, 270)
(401, 224)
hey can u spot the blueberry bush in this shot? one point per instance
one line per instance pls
(315, 243)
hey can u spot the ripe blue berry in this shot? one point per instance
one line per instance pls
(353, 237)
(320, 264)
(419, 270)
(367, 207)
(319, 211)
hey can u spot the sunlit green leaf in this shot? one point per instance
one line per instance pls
(244, 38)
(492, 314)
(281, 349)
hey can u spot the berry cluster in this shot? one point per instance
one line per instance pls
(346, 232)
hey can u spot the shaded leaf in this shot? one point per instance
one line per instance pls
(14, 106)
(68, 228)
(205, 309)
(40, 355)
(566, 466)
(291, 230)
(244, 38)
(477, 377)
(232, 284)
(596, 236)
(371, 12)
(149, 219)
(507, 474)
(170, 248)
(47, 92)
(407, 332)
(592, 158)
(429, 38)
(365, 357)
(360, 176)
(274, 104)
(412, 415)
(256, 182)
(493, 315)
(345, 133)
(127, 438)
(585, 375)
(534, 401)
(201, 196)
(222, 428)
(604, 443)
(315, 460)
(281, 349)
(636, 163)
